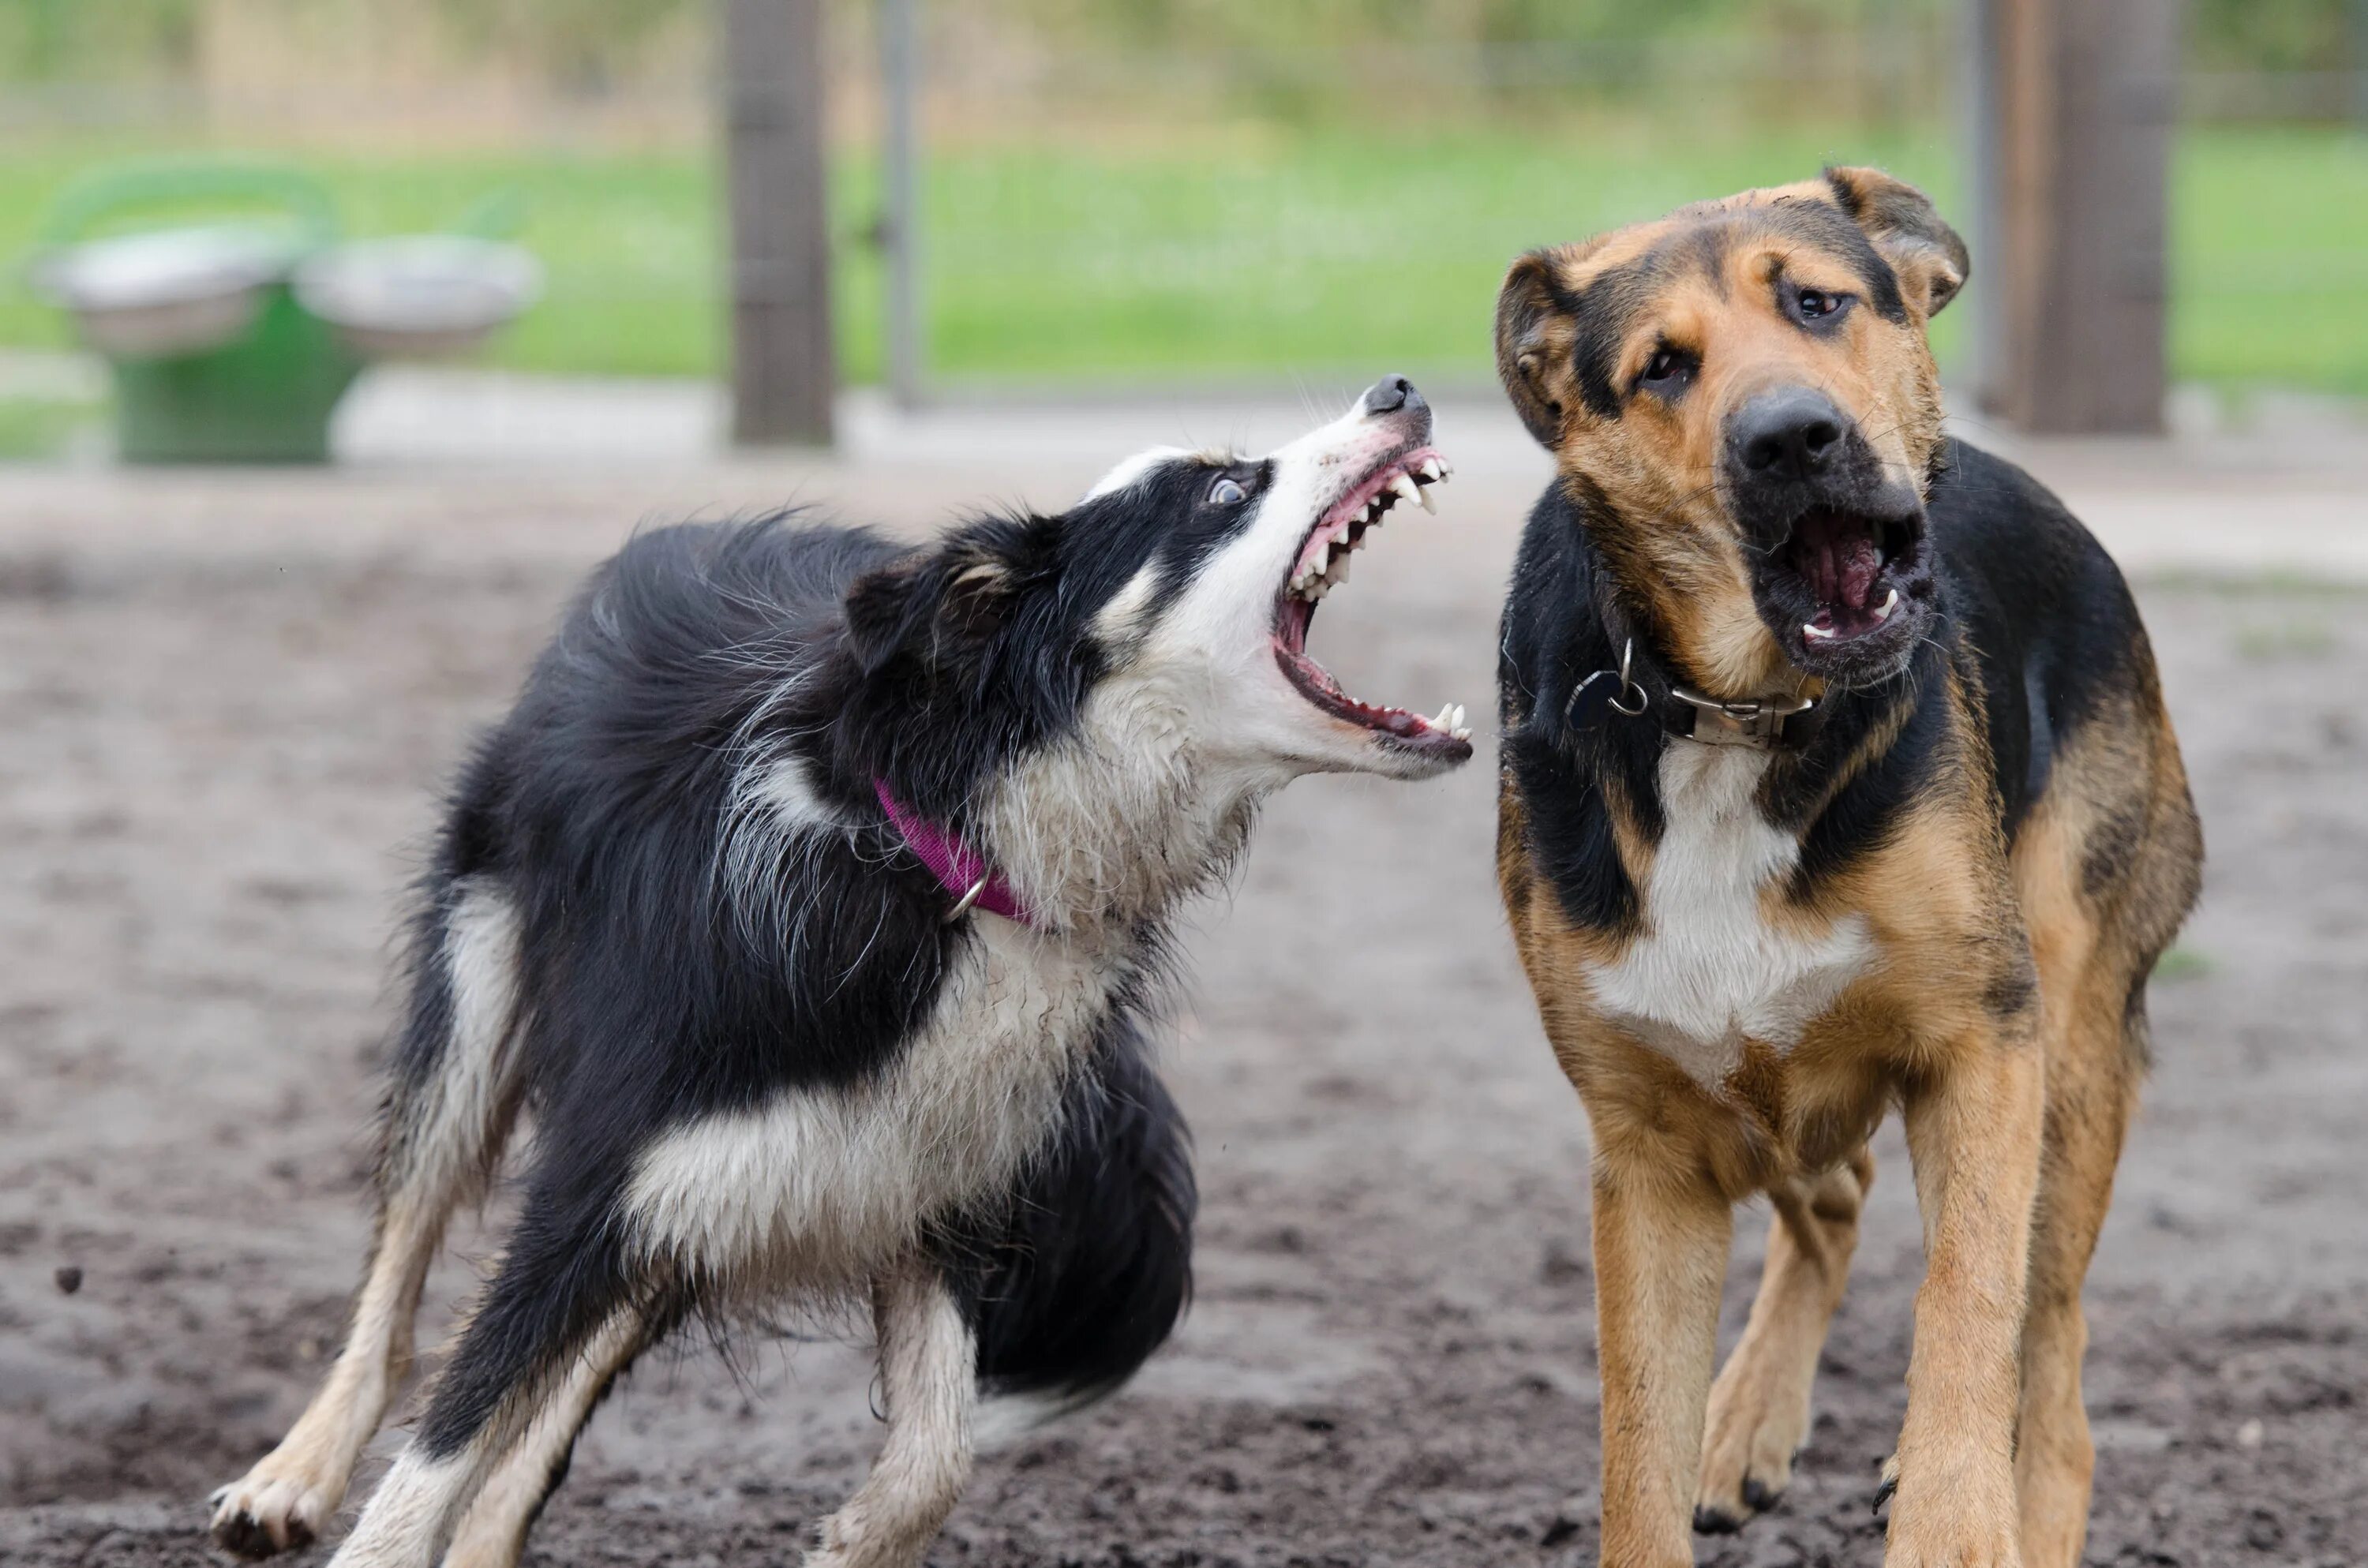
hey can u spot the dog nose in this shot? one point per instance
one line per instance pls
(1390, 395)
(1791, 434)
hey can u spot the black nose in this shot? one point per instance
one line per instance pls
(1390, 395)
(1792, 433)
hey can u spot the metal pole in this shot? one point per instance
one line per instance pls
(2359, 62)
(900, 69)
(1980, 83)
(783, 370)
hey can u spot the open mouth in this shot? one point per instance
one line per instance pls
(1853, 567)
(1322, 564)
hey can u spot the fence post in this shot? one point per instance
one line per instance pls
(900, 74)
(2085, 95)
(783, 370)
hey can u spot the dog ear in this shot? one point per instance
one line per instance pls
(1928, 254)
(933, 604)
(1531, 357)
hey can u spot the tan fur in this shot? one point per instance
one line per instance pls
(1657, 465)
(1759, 1406)
(1998, 1012)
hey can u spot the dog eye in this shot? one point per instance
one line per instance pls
(1225, 493)
(1815, 303)
(1667, 369)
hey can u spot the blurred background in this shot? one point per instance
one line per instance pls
(530, 274)
(1232, 193)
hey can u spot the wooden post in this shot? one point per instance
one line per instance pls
(2079, 100)
(900, 70)
(783, 370)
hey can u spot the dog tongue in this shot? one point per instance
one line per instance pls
(1846, 567)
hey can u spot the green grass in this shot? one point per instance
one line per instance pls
(1267, 255)
(44, 426)
(2270, 258)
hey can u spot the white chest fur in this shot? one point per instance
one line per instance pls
(833, 1182)
(1708, 971)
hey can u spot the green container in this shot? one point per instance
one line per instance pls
(264, 394)
(265, 398)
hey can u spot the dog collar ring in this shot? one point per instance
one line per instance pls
(1628, 687)
(962, 906)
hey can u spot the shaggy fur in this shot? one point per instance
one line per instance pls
(772, 1060)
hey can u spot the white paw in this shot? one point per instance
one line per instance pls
(262, 1513)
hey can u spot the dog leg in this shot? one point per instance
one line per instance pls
(2092, 1089)
(1660, 1257)
(1759, 1406)
(493, 1532)
(450, 1109)
(928, 1364)
(1974, 1132)
(410, 1519)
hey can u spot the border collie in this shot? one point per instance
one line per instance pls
(817, 894)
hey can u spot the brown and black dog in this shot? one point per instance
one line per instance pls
(1835, 776)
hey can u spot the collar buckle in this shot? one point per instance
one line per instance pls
(1758, 721)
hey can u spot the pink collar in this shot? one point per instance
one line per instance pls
(960, 870)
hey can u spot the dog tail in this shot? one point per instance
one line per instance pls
(1088, 1270)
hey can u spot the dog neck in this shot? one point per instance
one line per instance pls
(961, 871)
(1110, 828)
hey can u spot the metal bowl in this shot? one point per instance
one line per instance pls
(175, 292)
(427, 296)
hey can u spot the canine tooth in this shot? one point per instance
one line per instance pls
(1403, 482)
(1818, 634)
(1889, 604)
(1427, 503)
(1457, 721)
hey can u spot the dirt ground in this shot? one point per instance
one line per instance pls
(224, 704)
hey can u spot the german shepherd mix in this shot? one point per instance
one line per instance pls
(1836, 774)
(817, 894)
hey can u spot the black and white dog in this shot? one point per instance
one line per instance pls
(815, 895)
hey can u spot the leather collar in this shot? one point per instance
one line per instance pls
(1629, 691)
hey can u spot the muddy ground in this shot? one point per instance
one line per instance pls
(217, 743)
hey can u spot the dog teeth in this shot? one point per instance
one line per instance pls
(1818, 633)
(1404, 485)
(1431, 471)
(1889, 604)
(1338, 571)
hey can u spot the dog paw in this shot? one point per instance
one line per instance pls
(842, 1547)
(264, 1513)
(1747, 1452)
(1949, 1529)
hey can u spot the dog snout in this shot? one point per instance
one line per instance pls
(1391, 394)
(1794, 434)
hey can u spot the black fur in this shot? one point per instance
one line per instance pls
(1087, 1270)
(665, 980)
